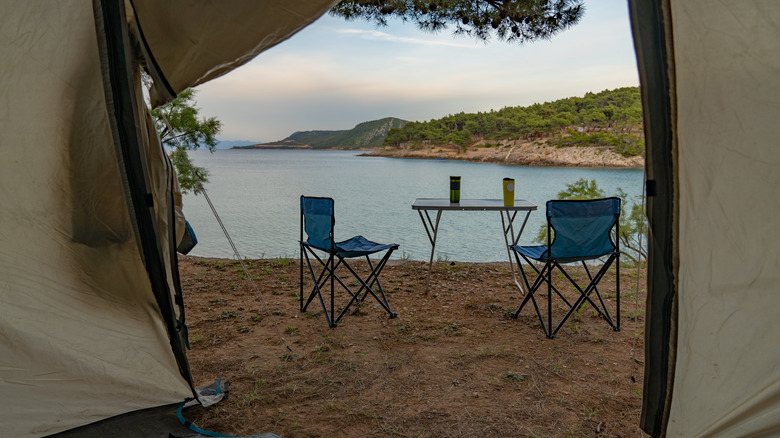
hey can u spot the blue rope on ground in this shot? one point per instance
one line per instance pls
(196, 429)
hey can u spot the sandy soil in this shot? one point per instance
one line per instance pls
(519, 153)
(452, 364)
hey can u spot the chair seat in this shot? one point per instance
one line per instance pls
(359, 246)
(539, 253)
(534, 252)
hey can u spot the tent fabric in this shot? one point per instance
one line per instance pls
(652, 42)
(718, 318)
(727, 62)
(81, 337)
(91, 312)
(193, 41)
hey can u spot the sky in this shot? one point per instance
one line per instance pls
(335, 74)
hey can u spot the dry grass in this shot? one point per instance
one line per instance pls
(452, 364)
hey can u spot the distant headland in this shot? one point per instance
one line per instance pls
(596, 130)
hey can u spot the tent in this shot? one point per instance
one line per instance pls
(92, 323)
(91, 315)
(710, 74)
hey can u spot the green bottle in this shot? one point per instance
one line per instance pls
(454, 189)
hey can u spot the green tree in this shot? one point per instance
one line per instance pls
(179, 127)
(509, 20)
(632, 217)
(191, 177)
(633, 227)
(582, 189)
(552, 120)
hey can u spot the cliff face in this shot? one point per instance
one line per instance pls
(520, 153)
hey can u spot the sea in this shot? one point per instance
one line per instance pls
(256, 196)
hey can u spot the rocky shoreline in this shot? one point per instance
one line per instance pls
(518, 152)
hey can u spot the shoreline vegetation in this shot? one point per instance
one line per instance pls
(518, 152)
(597, 130)
(510, 152)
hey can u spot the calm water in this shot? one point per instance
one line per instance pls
(256, 194)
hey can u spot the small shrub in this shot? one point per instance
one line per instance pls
(282, 261)
(288, 357)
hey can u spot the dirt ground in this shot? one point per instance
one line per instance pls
(454, 363)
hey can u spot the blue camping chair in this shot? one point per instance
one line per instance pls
(317, 221)
(577, 231)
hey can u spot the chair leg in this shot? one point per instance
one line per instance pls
(375, 274)
(332, 275)
(549, 300)
(538, 272)
(371, 285)
(617, 291)
(300, 279)
(531, 290)
(373, 278)
(544, 275)
(528, 288)
(305, 256)
(585, 294)
(537, 282)
(319, 282)
(593, 287)
(594, 282)
(327, 273)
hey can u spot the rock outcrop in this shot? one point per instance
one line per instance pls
(519, 153)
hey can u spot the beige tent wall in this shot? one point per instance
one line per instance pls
(81, 337)
(193, 41)
(727, 380)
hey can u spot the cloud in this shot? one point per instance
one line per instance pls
(375, 35)
(334, 75)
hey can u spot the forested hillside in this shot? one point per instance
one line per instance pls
(609, 118)
(364, 135)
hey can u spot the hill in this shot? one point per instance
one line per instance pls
(227, 144)
(365, 135)
(611, 119)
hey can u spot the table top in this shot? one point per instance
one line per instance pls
(471, 204)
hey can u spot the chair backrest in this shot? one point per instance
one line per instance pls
(317, 220)
(582, 228)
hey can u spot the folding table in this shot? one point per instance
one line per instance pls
(508, 213)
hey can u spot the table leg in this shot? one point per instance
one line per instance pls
(434, 228)
(509, 233)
